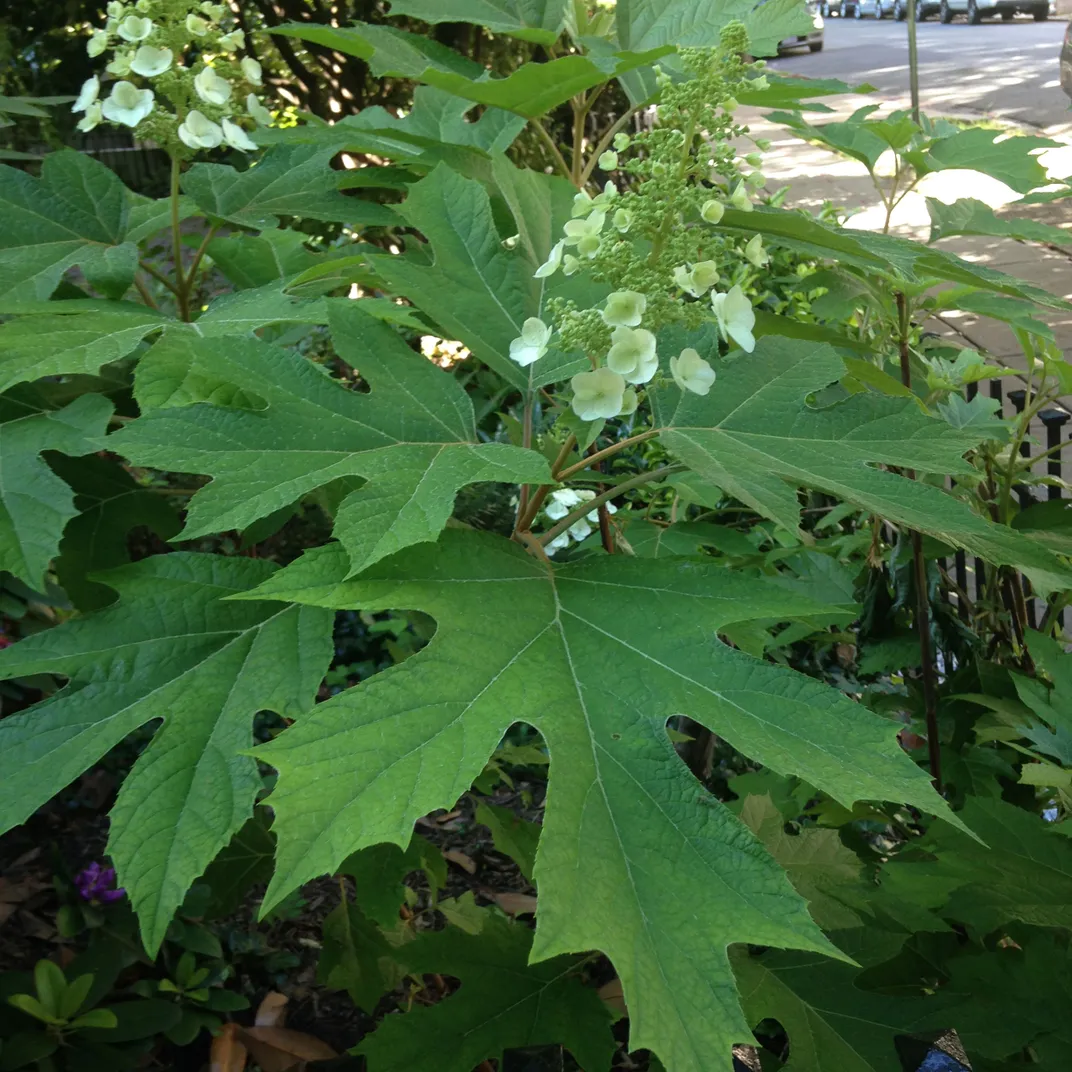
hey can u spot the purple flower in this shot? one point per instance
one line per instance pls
(95, 884)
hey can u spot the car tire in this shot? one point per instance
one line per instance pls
(843, 11)
(1041, 15)
(1007, 16)
(945, 14)
(975, 16)
(815, 46)
(900, 13)
(857, 11)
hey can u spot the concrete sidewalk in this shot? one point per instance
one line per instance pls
(816, 175)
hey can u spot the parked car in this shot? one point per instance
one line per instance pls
(1066, 61)
(875, 9)
(975, 10)
(813, 40)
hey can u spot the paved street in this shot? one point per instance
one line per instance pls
(1007, 70)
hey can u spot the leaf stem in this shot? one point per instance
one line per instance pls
(526, 517)
(210, 234)
(556, 152)
(146, 267)
(143, 292)
(593, 504)
(919, 565)
(181, 292)
(606, 452)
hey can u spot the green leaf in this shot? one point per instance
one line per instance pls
(1011, 160)
(96, 1018)
(75, 995)
(897, 259)
(759, 439)
(531, 90)
(35, 504)
(477, 290)
(32, 347)
(504, 1002)
(246, 861)
(831, 1022)
(76, 208)
(439, 117)
(823, 871)
(1013, 996)
(1023, 872)
(597, 657)
(511, 835)
(242, 312)
(378, 872)
(413, 439)
(32, 1007)
(853, 137)
(110, 505)
(355, 957)
(970, 217)
(171, 648)
(149, 217)
(51, 986)
(530, 20)
(111, 269)
(258, 260)
(287, 181)
(647, 24)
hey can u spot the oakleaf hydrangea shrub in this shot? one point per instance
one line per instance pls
(630, 368)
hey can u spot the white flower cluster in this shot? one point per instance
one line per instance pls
(148, 39)
(560, 503)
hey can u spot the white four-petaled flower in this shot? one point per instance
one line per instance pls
(624, 309)
(134, 28)
(735, 316)
(584, 233)
(632, 355)
(149, 61)
(565, 499)
(597, 394)
(199, 132)
(554, 260)
(740, 199)
(97, 43)
(531, 344)
(258, 111)
(92, 118)
(211, 88)
(712, 211)
(754, 251)
(237, 138)
(698, 279)
(691, 372)
(252, 70)
(87, 95)
(128, 104)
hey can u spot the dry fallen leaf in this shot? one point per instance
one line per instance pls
(466, 863)
(272, 1011)
(279, 1049)
(515, 904)
(227, 1053)
(613, 996)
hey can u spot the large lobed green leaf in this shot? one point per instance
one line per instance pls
(531, 90)
(504, 1003)
(69, 216)
(477, 289)
(647, 24)
(759, 439)
(269, 427)
(35, 504)
(172, 648)
(530, 20)
(635, 858)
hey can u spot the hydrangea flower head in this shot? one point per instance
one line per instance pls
(632, 354)
(624, 309)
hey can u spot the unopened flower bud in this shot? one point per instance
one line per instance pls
(754, 159)
(608, 161)
(712, 211)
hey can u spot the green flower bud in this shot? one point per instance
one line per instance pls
(608, 161)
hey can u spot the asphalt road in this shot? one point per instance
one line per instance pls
(1006, 70)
